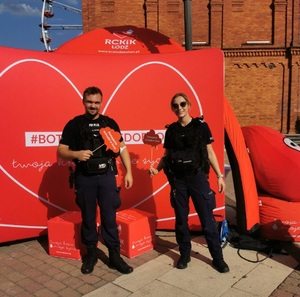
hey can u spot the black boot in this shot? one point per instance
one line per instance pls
(183, 261)
(116, 262)
(90, 260)
(220, 265)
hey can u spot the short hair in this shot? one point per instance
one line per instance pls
(180, 95)
(91, 91)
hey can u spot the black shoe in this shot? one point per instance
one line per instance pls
(183, 261)
(88, 264)
(220, 265)
(116, 262)
(90, 260)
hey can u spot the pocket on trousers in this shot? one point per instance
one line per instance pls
(211, 199)
(172, 197)
(117, 198)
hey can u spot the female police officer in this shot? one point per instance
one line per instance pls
(187, 159)
(95, 181)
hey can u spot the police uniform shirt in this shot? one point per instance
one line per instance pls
(187, 131)
(82, 133)
(187, 148)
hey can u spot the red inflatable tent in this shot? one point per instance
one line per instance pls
(120, 40)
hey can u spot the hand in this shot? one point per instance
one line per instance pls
(221, 185)
(128, 180)
(152, 171)
(84, 155)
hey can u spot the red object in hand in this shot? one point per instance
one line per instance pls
(152, 138)
(111, 138)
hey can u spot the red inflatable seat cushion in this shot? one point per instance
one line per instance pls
(279, 219)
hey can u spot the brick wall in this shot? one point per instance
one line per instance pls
(261, 80)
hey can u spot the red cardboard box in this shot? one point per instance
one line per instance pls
(64, 236)
(136, 231)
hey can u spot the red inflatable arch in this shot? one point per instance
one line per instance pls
(244, 181)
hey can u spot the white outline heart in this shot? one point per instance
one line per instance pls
(105, 108)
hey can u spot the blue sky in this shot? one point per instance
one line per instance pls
(20, 19)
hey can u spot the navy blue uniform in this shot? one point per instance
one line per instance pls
(188, 178)
(91, 189)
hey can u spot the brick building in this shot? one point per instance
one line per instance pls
(260, 40)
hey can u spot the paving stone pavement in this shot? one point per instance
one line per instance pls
(26, 269)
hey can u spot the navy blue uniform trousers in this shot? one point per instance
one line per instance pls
(102, 190)
(197, 187)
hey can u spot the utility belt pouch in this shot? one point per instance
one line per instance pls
(96, 166)
(183, 164)
(184, 167)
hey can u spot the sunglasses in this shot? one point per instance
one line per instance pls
(176, 106)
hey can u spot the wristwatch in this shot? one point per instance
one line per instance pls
(220, 176)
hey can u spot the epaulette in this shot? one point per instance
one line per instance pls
(104, 120)
(170, 125)
(200, 119)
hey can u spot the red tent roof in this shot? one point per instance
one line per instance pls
(120, 40)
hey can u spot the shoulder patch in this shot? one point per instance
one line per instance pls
(200, 119)
(171, 125)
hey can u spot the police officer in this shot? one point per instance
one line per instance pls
(186, 162)
(95, 178)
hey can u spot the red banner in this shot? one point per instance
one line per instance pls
(42, 91)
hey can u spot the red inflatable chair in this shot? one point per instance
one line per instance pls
(276, 164)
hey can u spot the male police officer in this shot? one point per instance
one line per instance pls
(95, 180)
